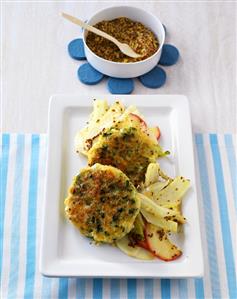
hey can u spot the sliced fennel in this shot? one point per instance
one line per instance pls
(156, 214)
(167, 225)
(139, 226)
(153, 208)
(153, 189)
(107, 120)
(79, 142)
(99, 109)
(152, 174)
(172, 194)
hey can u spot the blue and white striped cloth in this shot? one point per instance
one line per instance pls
(23, 161)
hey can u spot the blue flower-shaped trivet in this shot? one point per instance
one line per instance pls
(120, 86)
(153, 79)
(88, 75)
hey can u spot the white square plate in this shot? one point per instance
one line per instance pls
(64, 252)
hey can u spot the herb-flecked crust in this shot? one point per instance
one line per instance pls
(102, 203)
(128, 149)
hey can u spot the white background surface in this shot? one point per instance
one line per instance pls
(35, 63)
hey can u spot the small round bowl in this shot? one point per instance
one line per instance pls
(122, 69)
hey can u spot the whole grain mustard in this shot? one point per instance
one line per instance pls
(141, 39)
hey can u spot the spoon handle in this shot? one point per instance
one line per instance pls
(89, 28)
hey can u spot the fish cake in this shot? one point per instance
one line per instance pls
(102, 203)
(128, 148)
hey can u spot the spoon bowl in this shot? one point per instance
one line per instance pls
(128, 50)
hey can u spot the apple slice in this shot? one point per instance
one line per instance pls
(160, 245)
(138, 118)
(143, 244)
(134, 251)
(156, 132)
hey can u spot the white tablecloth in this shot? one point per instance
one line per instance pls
(36, 64)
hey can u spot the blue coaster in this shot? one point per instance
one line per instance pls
(88, 75)
(154, 79)
(76, 49)
(120, 86)
(169, 55)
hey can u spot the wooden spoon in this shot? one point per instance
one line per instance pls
(124, 48)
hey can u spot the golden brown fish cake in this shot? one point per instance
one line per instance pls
(102, 203)
(128, 148)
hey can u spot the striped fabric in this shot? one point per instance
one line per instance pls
(23, 160)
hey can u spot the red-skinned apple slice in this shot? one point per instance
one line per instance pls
(156, 132)
(160, 245)
(138, 118)
(143, 244)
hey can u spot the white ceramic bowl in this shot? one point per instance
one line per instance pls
(131, 69)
